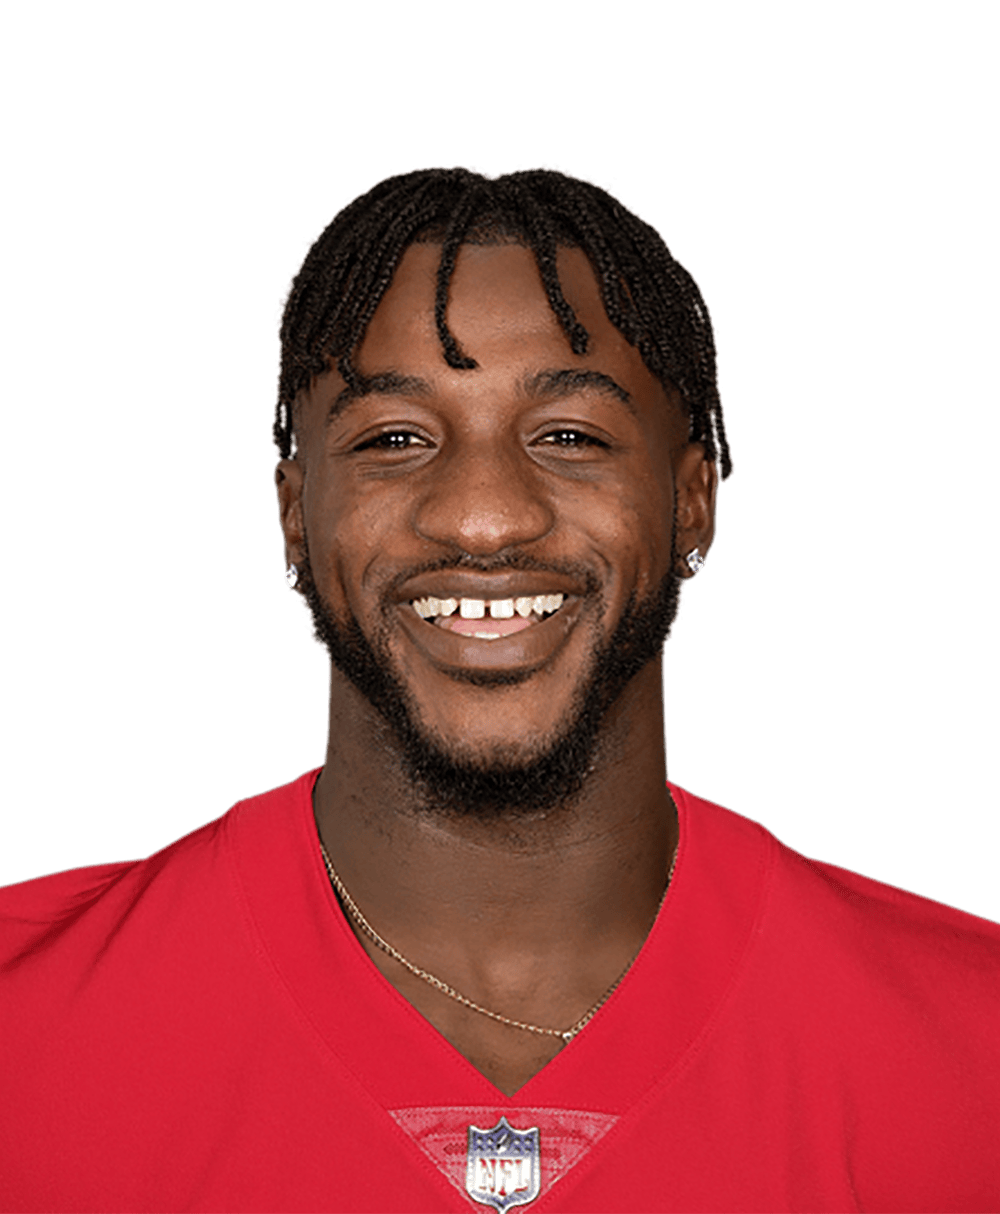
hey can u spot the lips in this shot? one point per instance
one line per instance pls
(509, 584)
(524, 646)
(487, 619)
(516, 619)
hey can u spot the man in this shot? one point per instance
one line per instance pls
(487, 956)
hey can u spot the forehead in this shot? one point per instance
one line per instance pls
(491, 284)
(499, 313)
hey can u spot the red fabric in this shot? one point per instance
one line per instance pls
(201, 1031)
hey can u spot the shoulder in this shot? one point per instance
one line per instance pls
(75, 913)
(884, 930)
(887, 914)
(814, 909)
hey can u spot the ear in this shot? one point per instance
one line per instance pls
(289, 477)
(695, 482)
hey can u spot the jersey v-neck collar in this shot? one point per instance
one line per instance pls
(662, 1011)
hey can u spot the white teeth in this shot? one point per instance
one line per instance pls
(545, 604)
(429, 608)
(487, 636)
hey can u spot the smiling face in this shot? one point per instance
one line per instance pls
(492, 553)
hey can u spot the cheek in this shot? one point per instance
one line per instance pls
(651, 550)
(345, 536)
(631, 527)
(359, 533)
(651, 501)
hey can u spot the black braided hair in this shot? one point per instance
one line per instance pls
(648, 296)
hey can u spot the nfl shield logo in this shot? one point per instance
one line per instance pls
(503, 1165)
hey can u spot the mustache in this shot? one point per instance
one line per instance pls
(504, 562)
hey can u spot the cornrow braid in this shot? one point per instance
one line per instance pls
(648, 296)
(457, 227)
(543, 241)
(374, 276)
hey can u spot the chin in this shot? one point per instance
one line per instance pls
(499, 780)
(497, 777)
(498, 772)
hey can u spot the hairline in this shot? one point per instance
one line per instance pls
(434, 235)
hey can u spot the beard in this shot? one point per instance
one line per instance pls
(509, 783)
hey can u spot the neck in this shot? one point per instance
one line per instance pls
(533, 916)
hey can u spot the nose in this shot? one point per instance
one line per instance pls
(484, 500)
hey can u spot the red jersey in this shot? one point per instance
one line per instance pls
(202, 1031)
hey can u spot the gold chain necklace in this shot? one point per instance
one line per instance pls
(567, 1035)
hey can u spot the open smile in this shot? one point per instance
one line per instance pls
(515, 633)
(488, 619)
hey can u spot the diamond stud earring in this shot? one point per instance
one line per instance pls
(695, 561)
(292, 576)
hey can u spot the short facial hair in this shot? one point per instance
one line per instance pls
(501, 786)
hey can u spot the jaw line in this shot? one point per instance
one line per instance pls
(507, 782)
(488, 787)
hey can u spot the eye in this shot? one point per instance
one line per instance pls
(393, 440)
(570, 438)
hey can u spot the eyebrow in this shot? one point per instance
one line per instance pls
(553, 384)
(556, 384)
(386, 383)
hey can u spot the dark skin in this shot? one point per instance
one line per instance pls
(531, 916)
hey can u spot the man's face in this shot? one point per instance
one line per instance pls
(490, 553)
